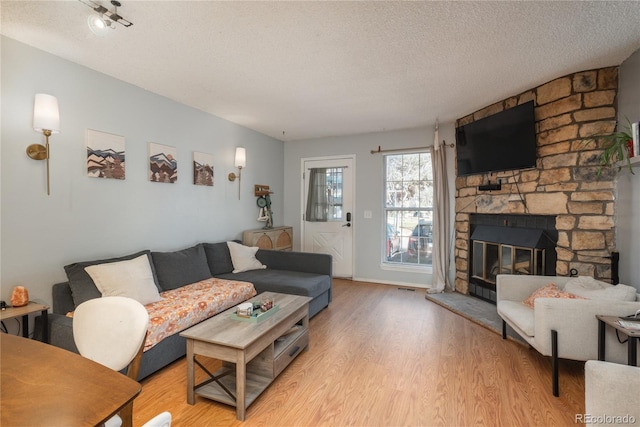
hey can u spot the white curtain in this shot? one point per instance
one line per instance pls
(318, 196)
(441, 241)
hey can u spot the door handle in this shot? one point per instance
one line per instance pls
(348, 224)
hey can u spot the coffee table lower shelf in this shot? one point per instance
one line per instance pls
(255, 385)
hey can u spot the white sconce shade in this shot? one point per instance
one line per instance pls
(46, 119)
(241, 157)
(45, 113)
(239, 162)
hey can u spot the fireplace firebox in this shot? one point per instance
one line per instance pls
(509, 244)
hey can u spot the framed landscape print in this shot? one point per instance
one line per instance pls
(105, 155)
(202, 169)
(163, 164)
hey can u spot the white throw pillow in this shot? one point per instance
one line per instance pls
(585, 283)
(132, 278)
(244, 257)
(588, 287)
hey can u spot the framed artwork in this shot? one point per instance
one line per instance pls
(163, 163)
(105, 155)
(203, 169)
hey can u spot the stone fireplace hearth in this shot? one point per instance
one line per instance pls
(563, 188)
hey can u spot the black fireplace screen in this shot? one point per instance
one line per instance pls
(506, 249)
(491, 259)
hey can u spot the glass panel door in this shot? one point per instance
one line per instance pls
(478, 257)
(506, 259)
(491, 262)
(524, 261)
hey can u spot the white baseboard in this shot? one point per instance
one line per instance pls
(392, 283)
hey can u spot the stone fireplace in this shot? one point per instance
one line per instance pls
(563, 192)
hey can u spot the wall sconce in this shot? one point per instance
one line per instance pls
(240, 162)
(46, 119)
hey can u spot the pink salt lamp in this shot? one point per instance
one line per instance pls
(19, 296)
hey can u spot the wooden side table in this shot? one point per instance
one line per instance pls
(24, 311)
(632, 344)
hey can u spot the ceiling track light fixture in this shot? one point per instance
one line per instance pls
(105, 18)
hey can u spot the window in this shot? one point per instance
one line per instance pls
(324, 202)
(408, 209)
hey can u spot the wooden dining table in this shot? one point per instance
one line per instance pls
(43, 385)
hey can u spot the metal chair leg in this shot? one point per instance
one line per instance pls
(554, 363)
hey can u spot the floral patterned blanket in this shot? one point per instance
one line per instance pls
(184, 307)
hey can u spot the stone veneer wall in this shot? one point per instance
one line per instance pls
(568, 111)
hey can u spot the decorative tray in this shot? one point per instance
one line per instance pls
(257, 316)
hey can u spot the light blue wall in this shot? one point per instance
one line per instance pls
(628, 186)
(368, 237)
(88, 218)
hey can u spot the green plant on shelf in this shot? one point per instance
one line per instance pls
(615, 149)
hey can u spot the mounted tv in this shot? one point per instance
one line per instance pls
(503, 141)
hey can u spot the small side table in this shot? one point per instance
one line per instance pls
(632, 344)
(24, 311)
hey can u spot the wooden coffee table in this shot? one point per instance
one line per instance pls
(253, 354)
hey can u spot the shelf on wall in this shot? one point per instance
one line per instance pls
(634, 161)
(261, 190)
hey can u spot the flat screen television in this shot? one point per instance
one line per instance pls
(503, 141)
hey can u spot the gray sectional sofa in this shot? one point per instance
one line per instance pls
(298, 273)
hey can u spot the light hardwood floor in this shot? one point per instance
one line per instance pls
(380, 356)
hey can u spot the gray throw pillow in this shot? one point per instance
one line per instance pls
(218, 258)
(82, 286)
(179, 268)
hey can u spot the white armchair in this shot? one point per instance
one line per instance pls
(556, 327)
(611, 394)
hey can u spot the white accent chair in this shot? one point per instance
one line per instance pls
(560, 328)
(611, 394)
(112, 331)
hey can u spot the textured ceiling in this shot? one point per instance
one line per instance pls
(298, 70)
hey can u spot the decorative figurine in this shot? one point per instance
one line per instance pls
(265, 213)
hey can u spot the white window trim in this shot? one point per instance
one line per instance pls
(384, 263)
